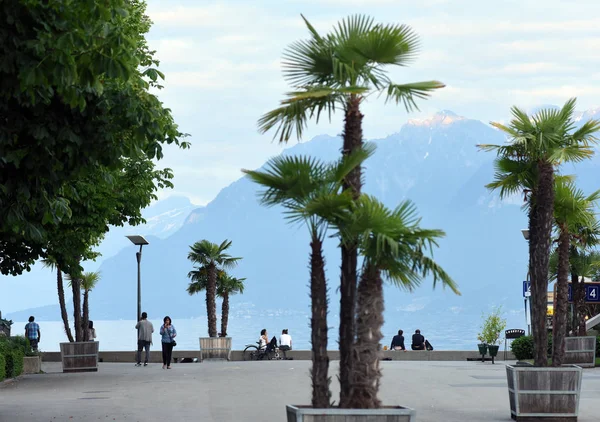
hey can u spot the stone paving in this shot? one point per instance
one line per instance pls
(258, 391)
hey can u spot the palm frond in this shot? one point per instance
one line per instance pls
(408, 93)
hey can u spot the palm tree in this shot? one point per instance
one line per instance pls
(394, 247)
(537, 146)
(294, 182)
(88, 283)
(340, 70)
(212, 257)
(51, 263)
(227, 286)
(572, 209)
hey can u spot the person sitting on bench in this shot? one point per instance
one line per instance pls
(418, 341)
(285, 342)
(398, 342)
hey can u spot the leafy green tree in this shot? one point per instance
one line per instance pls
(538, 145)
(210, 258)
(293, 183)
(74, 90)
(572, 210)
(340, 70)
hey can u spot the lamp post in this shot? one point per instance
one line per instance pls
(138, 241)
(525, 233)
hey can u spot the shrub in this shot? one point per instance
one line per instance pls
(492, 327)
(13, 351)
(2, 367)
(598, 347)
(14, 363)
(522, 347)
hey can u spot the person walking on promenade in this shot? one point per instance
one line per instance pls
(145, 330)
(168, 333)
(33, 333)
(398, 342)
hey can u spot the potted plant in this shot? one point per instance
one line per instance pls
(211, 259)
(491, 329)
(538, 145)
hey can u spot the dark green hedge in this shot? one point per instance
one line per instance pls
(2, 367)
(522, 347)
(12, 351)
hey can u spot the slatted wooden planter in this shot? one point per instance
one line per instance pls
(80, 356)
(334, 414)
(544, 394)
(580, 351)
(215, 348)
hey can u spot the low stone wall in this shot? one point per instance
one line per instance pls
(237, 355)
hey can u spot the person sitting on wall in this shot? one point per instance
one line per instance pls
(398, 342)
(418, 341)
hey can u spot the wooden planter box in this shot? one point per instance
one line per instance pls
(32, 364)
(580, 351)
(335, 414)
(545, 394)
(215, 348)
(80, 356)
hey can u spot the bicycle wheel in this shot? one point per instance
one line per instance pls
(250, 352)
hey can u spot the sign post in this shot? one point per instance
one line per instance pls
(526, 296)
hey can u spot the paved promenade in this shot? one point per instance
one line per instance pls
(257, 391)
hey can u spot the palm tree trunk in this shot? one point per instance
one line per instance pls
(86, 315)
(352, 141)
(580, 311)
(225, 314)
(211, 301)
(321, 395)
(365, 376)
(559, 325)
(540, 231)
(62, 303)
(76, 288)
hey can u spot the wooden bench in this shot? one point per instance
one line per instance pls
(215, 348)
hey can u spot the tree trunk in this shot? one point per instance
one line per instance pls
(365, 375)
(211, 301)
(352, 141)
(224, 314)
(321, 395)
(86, 315)
(76, 287)
(62, 303)
(579, 306)
(559, 326)
(540, 230)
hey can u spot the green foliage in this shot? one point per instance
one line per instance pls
(13, 350)
(75, 100)
(492, 327)
(522, 347)
(2, 366)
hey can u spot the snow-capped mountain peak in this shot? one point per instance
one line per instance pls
(445, 117)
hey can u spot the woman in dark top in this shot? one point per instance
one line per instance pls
(398, 342)
(418, 341)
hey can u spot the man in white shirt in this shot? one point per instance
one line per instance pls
(285, 342)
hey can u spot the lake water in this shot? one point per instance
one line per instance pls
(448, 332)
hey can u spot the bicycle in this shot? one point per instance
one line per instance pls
(252, 352)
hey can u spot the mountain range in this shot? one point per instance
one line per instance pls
(433, 162)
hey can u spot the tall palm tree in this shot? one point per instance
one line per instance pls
(394, 247)
(572, 209)
(293, 182)
(227, 286)
(51, 263)
(538, 145)
(212, 257)
(340, 70)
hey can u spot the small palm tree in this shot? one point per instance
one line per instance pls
(340, 70)
(51, 263)
(538, 145)
(227, 286)
(294, 182)
(86, 282)
(394, 247)
(211, 258)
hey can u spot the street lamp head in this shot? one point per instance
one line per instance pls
(137, 240)
(525, 233)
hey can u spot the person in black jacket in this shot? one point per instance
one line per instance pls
(418, 341)
(398, 342)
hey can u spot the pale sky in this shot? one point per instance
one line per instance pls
(222, 63)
